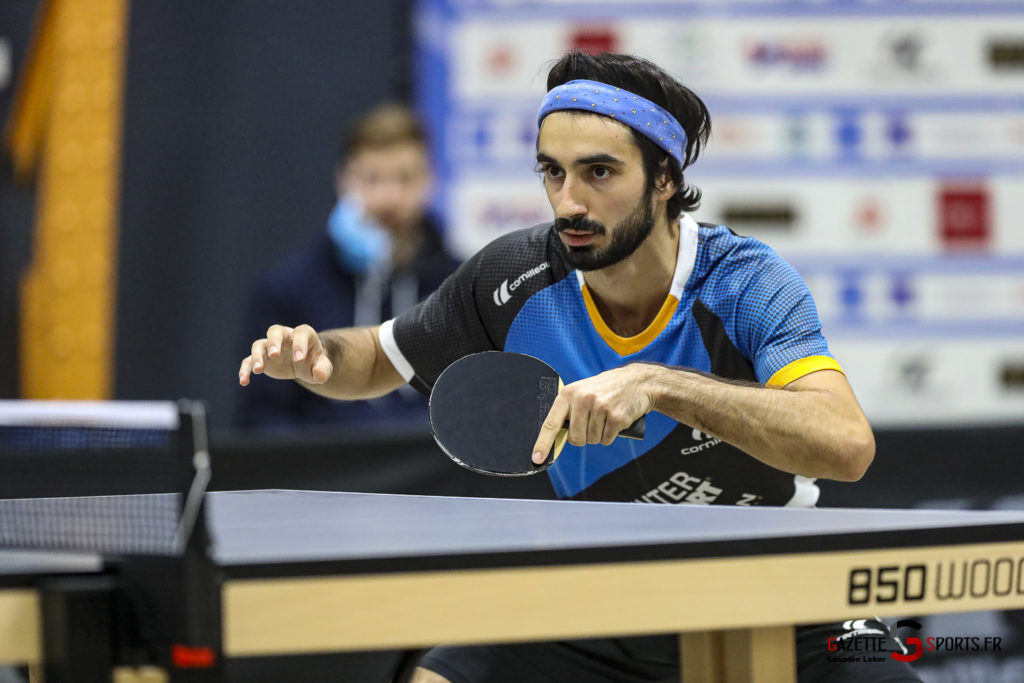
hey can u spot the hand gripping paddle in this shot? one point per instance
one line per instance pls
(486, 410)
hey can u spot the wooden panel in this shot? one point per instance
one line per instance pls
(478, 606)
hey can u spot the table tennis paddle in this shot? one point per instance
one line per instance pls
(486, 410)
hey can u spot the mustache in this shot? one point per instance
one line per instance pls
(579, 224)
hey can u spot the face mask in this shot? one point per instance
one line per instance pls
(360, 243)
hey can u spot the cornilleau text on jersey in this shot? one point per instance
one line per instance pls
(504, 292)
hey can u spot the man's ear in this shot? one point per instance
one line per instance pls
(664, 186)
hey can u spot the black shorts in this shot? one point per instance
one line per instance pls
(655, 659)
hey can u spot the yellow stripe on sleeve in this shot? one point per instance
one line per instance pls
(802, 367)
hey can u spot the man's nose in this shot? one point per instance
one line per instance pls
(570, 202)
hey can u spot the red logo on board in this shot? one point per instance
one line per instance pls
(964, 216)
(594, 40)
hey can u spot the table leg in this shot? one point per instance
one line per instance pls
(20, 628)
(758, 655)
(142, 674)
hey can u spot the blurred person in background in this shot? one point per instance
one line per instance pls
(380, 254)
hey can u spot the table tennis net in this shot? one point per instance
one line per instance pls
(50, 439)
(27, 426)
(119, 525)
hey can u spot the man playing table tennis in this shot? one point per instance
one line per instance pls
(640, 310)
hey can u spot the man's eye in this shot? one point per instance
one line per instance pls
(553, 172)
(601, 172)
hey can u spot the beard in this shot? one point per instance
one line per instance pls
(627, 237)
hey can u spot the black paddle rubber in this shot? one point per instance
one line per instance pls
(486, 410)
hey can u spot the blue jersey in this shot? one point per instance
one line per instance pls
(735, 309)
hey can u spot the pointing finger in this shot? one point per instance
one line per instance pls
(244, 371)
(549, 430)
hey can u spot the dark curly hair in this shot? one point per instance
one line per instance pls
(648, 80)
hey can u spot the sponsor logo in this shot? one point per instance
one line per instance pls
(760, 215)
(594, 40)
(869, 215)
(965, 216)
(1006, 54)
(904, 50)
(898, 132)
(871, 640)
(849, 133)
(912, 372)
(682, 488)
(705, 441)
(905, 56)
(504, 291)
(901, 290)
(501, 60)
(1012, 375)
(795, 54)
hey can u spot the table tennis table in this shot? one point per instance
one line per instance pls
(316, 572)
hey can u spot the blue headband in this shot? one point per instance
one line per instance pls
(641, 115)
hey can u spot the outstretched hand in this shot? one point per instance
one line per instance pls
(288, 353)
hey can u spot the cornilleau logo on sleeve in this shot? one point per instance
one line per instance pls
(504, 291)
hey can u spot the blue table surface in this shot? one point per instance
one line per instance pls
(280, 526)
